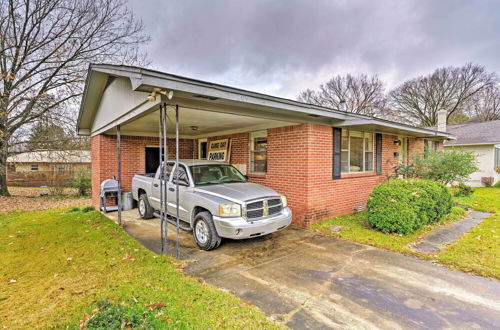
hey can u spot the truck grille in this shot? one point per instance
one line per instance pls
(264, 208)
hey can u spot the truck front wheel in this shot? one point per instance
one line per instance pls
(204, 232)
(145, 210)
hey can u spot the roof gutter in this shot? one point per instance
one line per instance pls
(143, 79)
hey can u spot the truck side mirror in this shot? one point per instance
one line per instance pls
(182, 181)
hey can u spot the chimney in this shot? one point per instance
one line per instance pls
(442, 114)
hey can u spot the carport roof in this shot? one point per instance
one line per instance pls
(197, 94)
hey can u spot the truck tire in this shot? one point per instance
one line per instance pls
(204, 232)
(145, 210)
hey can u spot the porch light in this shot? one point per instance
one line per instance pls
(152, 96)
(397, 142)
(194, 128)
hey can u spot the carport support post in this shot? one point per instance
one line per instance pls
(160, 157)
(119, 175)
(163, 180)
(177, 177)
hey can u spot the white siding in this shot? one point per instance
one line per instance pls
(117, 100)
(486, 163)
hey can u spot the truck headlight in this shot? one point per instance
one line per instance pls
(230, 210)
(284, 202)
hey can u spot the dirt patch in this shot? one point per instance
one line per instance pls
(24, 199)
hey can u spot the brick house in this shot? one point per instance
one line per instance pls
(324, 160)
(46, 167)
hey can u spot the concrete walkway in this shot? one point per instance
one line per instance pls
(310, 281)
(442, 236)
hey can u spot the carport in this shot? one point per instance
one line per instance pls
(125, 102)
(120, 110)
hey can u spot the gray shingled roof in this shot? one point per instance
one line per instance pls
(475, 133)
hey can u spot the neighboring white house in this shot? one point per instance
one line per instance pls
(46, 167)
(484, 140)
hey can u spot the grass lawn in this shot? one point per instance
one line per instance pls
(478, 251)
(57, 266)
(356, 228)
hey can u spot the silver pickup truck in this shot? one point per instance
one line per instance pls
(215, 201)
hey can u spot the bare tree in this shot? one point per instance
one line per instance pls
(362, 94)
(485, 106)
(418, 100)
(45, 49)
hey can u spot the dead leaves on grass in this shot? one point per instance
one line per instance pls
(24, 199)
(128, 257)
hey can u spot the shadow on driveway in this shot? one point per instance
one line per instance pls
(308, 281)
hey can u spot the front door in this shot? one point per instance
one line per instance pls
(152, 159)
(403, 150)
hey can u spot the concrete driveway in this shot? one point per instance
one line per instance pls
(310, 281)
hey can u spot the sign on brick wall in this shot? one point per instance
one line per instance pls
(219, 150)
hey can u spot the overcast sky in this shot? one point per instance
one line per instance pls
(283, 47)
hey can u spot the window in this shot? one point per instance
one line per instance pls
(430, 145)
(61, 169)
(168, 170)
(34, 167)
(183, 178)
(202, 148)
(356, 151)
(215, 174)
(258, 152)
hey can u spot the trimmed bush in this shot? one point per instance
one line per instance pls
(405, 205)
(463, 190)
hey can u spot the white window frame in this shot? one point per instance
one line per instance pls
(496, 156)
(348, 149)
(34, 167)
(200, 141)
(253, 136)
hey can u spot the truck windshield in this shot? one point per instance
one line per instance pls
(215, 173)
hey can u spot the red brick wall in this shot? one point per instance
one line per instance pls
(133, 158)
(299, 167)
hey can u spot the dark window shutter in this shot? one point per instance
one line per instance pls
(337, 148)
(378, 152)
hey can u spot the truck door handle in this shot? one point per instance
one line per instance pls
(155, 185)
(171, 189)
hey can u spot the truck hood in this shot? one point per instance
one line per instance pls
(238, 192)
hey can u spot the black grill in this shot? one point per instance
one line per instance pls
(255, 205)
(275, 209)
(261, 209)
(255, 214)
(273, 202)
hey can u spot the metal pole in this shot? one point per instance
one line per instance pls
(119, 174)
(165, 179)
(160, 124)
(177, 176)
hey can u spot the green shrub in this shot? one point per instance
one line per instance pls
(405, 205)
(447, 167)
(82, 181)
(87, 209)
(497, 184)
(463, 190)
